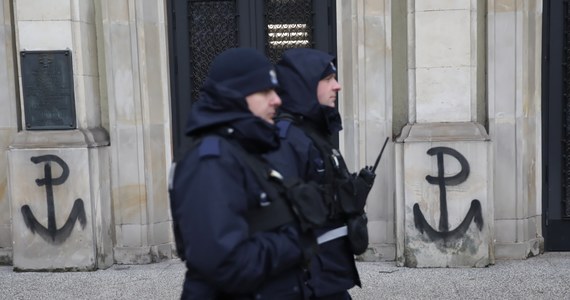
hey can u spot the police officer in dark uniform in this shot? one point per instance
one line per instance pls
(308, 120)
(222, 190)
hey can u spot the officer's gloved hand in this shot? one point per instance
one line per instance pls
(367, 175)
(357, 227)
(363, 182)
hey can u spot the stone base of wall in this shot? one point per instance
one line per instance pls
(522, 250)
(378, 252)
(132, 255)
(6, 256)
(144, 255)
(444, 209)
(60, 200)
(163, 252)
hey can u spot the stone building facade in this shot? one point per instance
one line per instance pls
(455, 86)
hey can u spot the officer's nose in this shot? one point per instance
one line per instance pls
(275, 99)
(337, 86)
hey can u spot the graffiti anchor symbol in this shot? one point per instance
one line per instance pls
(474, 212)
(51, 234)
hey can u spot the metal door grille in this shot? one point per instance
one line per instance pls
(213, 29)
(289, 24)
(201, 29)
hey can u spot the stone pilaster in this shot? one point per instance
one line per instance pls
(364, 58)
(133, 42)
(444, 207)
(8, 125)
(59, 179)
(514, 84)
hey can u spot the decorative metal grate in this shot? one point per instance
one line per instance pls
(213, 29)
(288, 25)
(566, 119)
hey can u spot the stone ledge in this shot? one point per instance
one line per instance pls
(81, 138)
(443, 132)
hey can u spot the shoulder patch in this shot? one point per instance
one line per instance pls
(210, 146)
(283, 126)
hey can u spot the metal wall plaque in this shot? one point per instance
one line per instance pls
(47, 84)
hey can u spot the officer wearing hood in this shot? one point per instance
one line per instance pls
(221, 189)
(308, 121)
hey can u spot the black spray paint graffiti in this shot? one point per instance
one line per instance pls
(474, 212)
(51, 234)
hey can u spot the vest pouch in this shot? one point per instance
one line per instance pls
(357, 232)
(361, 190)
(346, 193)
(308, 204)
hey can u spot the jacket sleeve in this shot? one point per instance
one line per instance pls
(212, 202)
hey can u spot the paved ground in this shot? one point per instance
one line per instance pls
(543, 277)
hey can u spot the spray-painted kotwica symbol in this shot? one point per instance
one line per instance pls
(51, 234)
(474, 212)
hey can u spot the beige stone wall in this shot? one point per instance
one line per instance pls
(8, 124)
(122, 88)
(451, 224)
(134, 68)
(120, 72)
(443, 60)
(365, 102)
(514, 95)
(62, 223)
(399, 68)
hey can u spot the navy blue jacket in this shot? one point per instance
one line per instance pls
(213, 189)
(299, 71)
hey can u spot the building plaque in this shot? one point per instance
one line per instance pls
(47, 86)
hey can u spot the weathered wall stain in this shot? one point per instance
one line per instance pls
(4, 204)
(3, 184)
(131, 201)
(51, 234)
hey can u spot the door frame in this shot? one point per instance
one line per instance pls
(555, 228)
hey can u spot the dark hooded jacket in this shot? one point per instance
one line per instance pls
(299, 72)
(212, 191)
